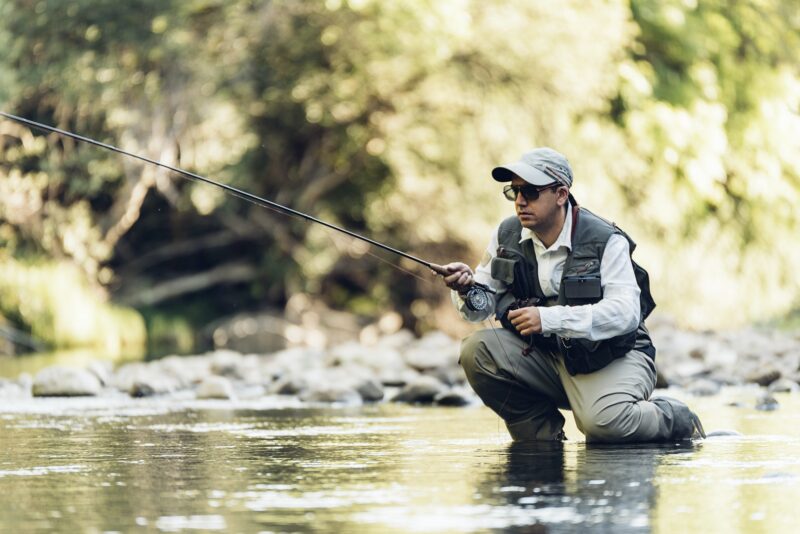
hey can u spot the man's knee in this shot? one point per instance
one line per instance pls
(612, 423)
(475, 355)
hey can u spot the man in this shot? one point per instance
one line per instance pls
(572, 304)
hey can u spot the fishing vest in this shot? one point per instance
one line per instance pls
(516, 265)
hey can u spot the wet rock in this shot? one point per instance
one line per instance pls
(143, 380)
(703, 387)
(65, 382)
(332, 393)
(215, 387)
(453, 397)
(764, 377)
(421, 391)
(289, 385)
(784, 385)
(767, 403)
(370, 390)
(102, 369)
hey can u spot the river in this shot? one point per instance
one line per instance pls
(275, 465)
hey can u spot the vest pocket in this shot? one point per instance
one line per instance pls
(503, 269)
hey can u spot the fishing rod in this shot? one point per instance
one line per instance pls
(476, 297)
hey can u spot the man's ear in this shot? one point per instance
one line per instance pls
(563, 195)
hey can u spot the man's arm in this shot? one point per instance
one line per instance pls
(483, 275)
(617, 312)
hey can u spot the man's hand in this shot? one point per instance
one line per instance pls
(460, 276)
(527, 321)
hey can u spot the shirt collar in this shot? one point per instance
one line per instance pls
(564, 238)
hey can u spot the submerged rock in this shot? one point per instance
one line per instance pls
(767, 403)
(65, 382)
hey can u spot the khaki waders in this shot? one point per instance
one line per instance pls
(526, 391)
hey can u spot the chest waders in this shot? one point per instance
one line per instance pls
(515, 264)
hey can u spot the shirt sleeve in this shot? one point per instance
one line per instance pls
(617, 312)
(483, 275)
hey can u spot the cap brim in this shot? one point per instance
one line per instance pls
(532, 175)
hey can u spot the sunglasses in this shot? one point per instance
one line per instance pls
(529, 192)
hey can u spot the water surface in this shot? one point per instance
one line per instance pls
(96, 465)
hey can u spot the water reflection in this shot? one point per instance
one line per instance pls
(88, 465)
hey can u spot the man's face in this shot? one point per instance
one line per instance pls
(539, 214)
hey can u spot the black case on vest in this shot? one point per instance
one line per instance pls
(583, 287)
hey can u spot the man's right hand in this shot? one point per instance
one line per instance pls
(460, 276)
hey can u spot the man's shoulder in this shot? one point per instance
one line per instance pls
(600, 228)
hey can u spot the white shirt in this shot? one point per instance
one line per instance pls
(615, 314)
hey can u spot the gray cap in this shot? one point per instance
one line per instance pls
(540, 166)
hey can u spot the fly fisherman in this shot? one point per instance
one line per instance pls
(572, 304)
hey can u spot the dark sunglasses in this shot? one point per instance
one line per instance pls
(529, 192)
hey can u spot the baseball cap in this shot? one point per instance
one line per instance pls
(540, 166)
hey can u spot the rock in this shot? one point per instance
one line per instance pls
(13, 390)
(102, 369)
(143, 380)
(397, 341)
(703, 387)
(452, 397)
(767, 403)
(65, 382)
(215, 387)
(421, 391)
(289, 385)
(370, 390)
(784, 385)
(764, 377)
(333, 394)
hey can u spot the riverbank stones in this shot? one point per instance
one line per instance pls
(65, 382)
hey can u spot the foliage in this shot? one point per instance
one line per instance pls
(680, 118)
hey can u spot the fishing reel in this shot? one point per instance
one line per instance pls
(477, 297)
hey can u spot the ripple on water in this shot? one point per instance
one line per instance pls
(43, 470)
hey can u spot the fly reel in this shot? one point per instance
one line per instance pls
(477, 297)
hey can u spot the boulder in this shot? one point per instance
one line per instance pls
(784, 385)
(332, 393)
(764, 377)
(65, 382)
(369, 389)
(215, 387)
(453, 397)
(422, 390)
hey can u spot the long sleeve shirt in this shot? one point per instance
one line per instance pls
(618, 312)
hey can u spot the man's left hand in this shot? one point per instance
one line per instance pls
(527, 321)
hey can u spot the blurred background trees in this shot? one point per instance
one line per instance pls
(679, 117)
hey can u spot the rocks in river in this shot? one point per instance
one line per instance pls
(332, 393)
(784, 385)
(65, 382)
(703, 387)
(422, 390)
(215, 387)
(764, 377)
(454, 397)
(767, 403)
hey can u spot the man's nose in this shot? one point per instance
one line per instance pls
(521, 200)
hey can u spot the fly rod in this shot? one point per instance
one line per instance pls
(255, 199)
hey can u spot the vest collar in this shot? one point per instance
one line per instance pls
(564, 237)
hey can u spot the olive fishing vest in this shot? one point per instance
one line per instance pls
(516, 265)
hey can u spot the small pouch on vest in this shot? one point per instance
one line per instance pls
(586, 287)
(503, 269)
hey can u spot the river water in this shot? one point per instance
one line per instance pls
(115, 464)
